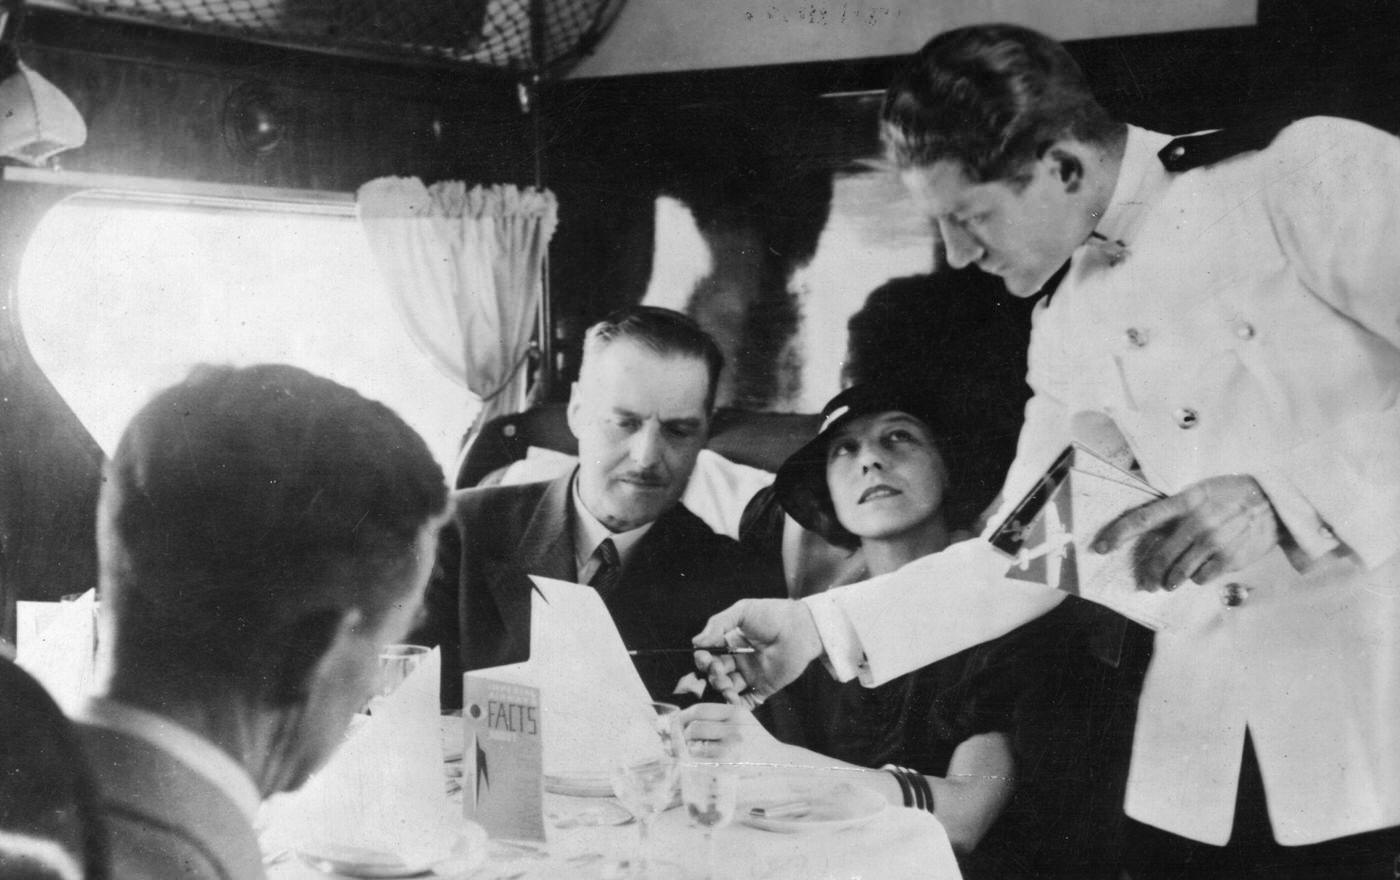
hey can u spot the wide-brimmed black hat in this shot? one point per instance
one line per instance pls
(975, 459)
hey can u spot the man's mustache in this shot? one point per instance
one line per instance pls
(645, 478)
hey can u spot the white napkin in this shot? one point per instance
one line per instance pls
(595, 708)
(56, 643)
(384, 789)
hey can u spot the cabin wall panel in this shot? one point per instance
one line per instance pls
(156, 104)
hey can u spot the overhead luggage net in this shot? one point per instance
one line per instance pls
(543, 36)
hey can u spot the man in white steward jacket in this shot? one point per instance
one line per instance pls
(1237, 319)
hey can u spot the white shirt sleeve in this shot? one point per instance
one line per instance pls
(843, 654)
(931, 608)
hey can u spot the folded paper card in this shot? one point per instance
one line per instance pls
(1049, 533)
(593, 705)
(383, 790)
(56, 642)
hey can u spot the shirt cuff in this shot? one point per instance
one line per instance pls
(1308, 536)
(844, 657)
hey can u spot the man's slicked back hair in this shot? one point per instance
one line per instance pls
(665, 331)
(992, 98)
(240, 500)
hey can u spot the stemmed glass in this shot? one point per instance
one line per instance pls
(710, 791)
(646, 784)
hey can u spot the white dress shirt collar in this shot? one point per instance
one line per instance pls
(589, 533)
(181, 743)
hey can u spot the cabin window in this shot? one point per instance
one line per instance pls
(873, 233)
(119, 298)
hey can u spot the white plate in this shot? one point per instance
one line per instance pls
(579, 784)
(354, 861)
(592, 812)
(340, 859)
(825, 807)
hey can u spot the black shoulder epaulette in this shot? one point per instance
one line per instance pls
(1198, 150)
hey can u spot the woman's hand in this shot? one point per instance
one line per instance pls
(728, 733)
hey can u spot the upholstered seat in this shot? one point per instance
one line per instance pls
(48, 818)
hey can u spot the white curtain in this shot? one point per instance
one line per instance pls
(464, 267)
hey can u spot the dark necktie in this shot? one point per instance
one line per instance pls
(609, 568)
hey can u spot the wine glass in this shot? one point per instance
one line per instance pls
(710, 791)
(646, 784)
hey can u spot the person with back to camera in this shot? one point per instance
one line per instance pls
(897, 473)
(262, 534)
(1229, 323)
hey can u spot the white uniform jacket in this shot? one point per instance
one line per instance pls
(1252, 327)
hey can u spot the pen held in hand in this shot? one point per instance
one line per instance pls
(645, 652)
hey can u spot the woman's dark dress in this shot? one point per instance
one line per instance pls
(1067, 714)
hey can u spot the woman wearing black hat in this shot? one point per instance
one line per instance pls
(895, 474)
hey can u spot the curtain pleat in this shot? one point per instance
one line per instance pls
(464, 267)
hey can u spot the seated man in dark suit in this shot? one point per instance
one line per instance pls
(641, 412)
(262, 532)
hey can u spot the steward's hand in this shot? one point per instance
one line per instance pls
(783, 635)
(1218, 525)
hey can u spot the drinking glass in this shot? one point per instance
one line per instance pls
(396, 663)
(646, 784)
(710, 791)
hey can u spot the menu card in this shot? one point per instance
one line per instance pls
(504, 758)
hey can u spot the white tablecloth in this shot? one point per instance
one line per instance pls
(894, 844)
(898, 844)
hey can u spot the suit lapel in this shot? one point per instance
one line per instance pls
(546, 549)
(649, 579)
(654, 554)
(548, 542)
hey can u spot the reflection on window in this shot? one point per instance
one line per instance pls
(873, 233)
(119, 299)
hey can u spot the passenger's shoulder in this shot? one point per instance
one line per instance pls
(470, 504)
(716, 558)
(142, 849)
(682, 521)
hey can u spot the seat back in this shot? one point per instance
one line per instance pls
(49, 822)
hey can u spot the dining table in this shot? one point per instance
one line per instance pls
(898, 844)
(595, 838)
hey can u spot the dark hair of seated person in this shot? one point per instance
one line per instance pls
(49, 826)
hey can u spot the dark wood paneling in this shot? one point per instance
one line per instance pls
(156, 103)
